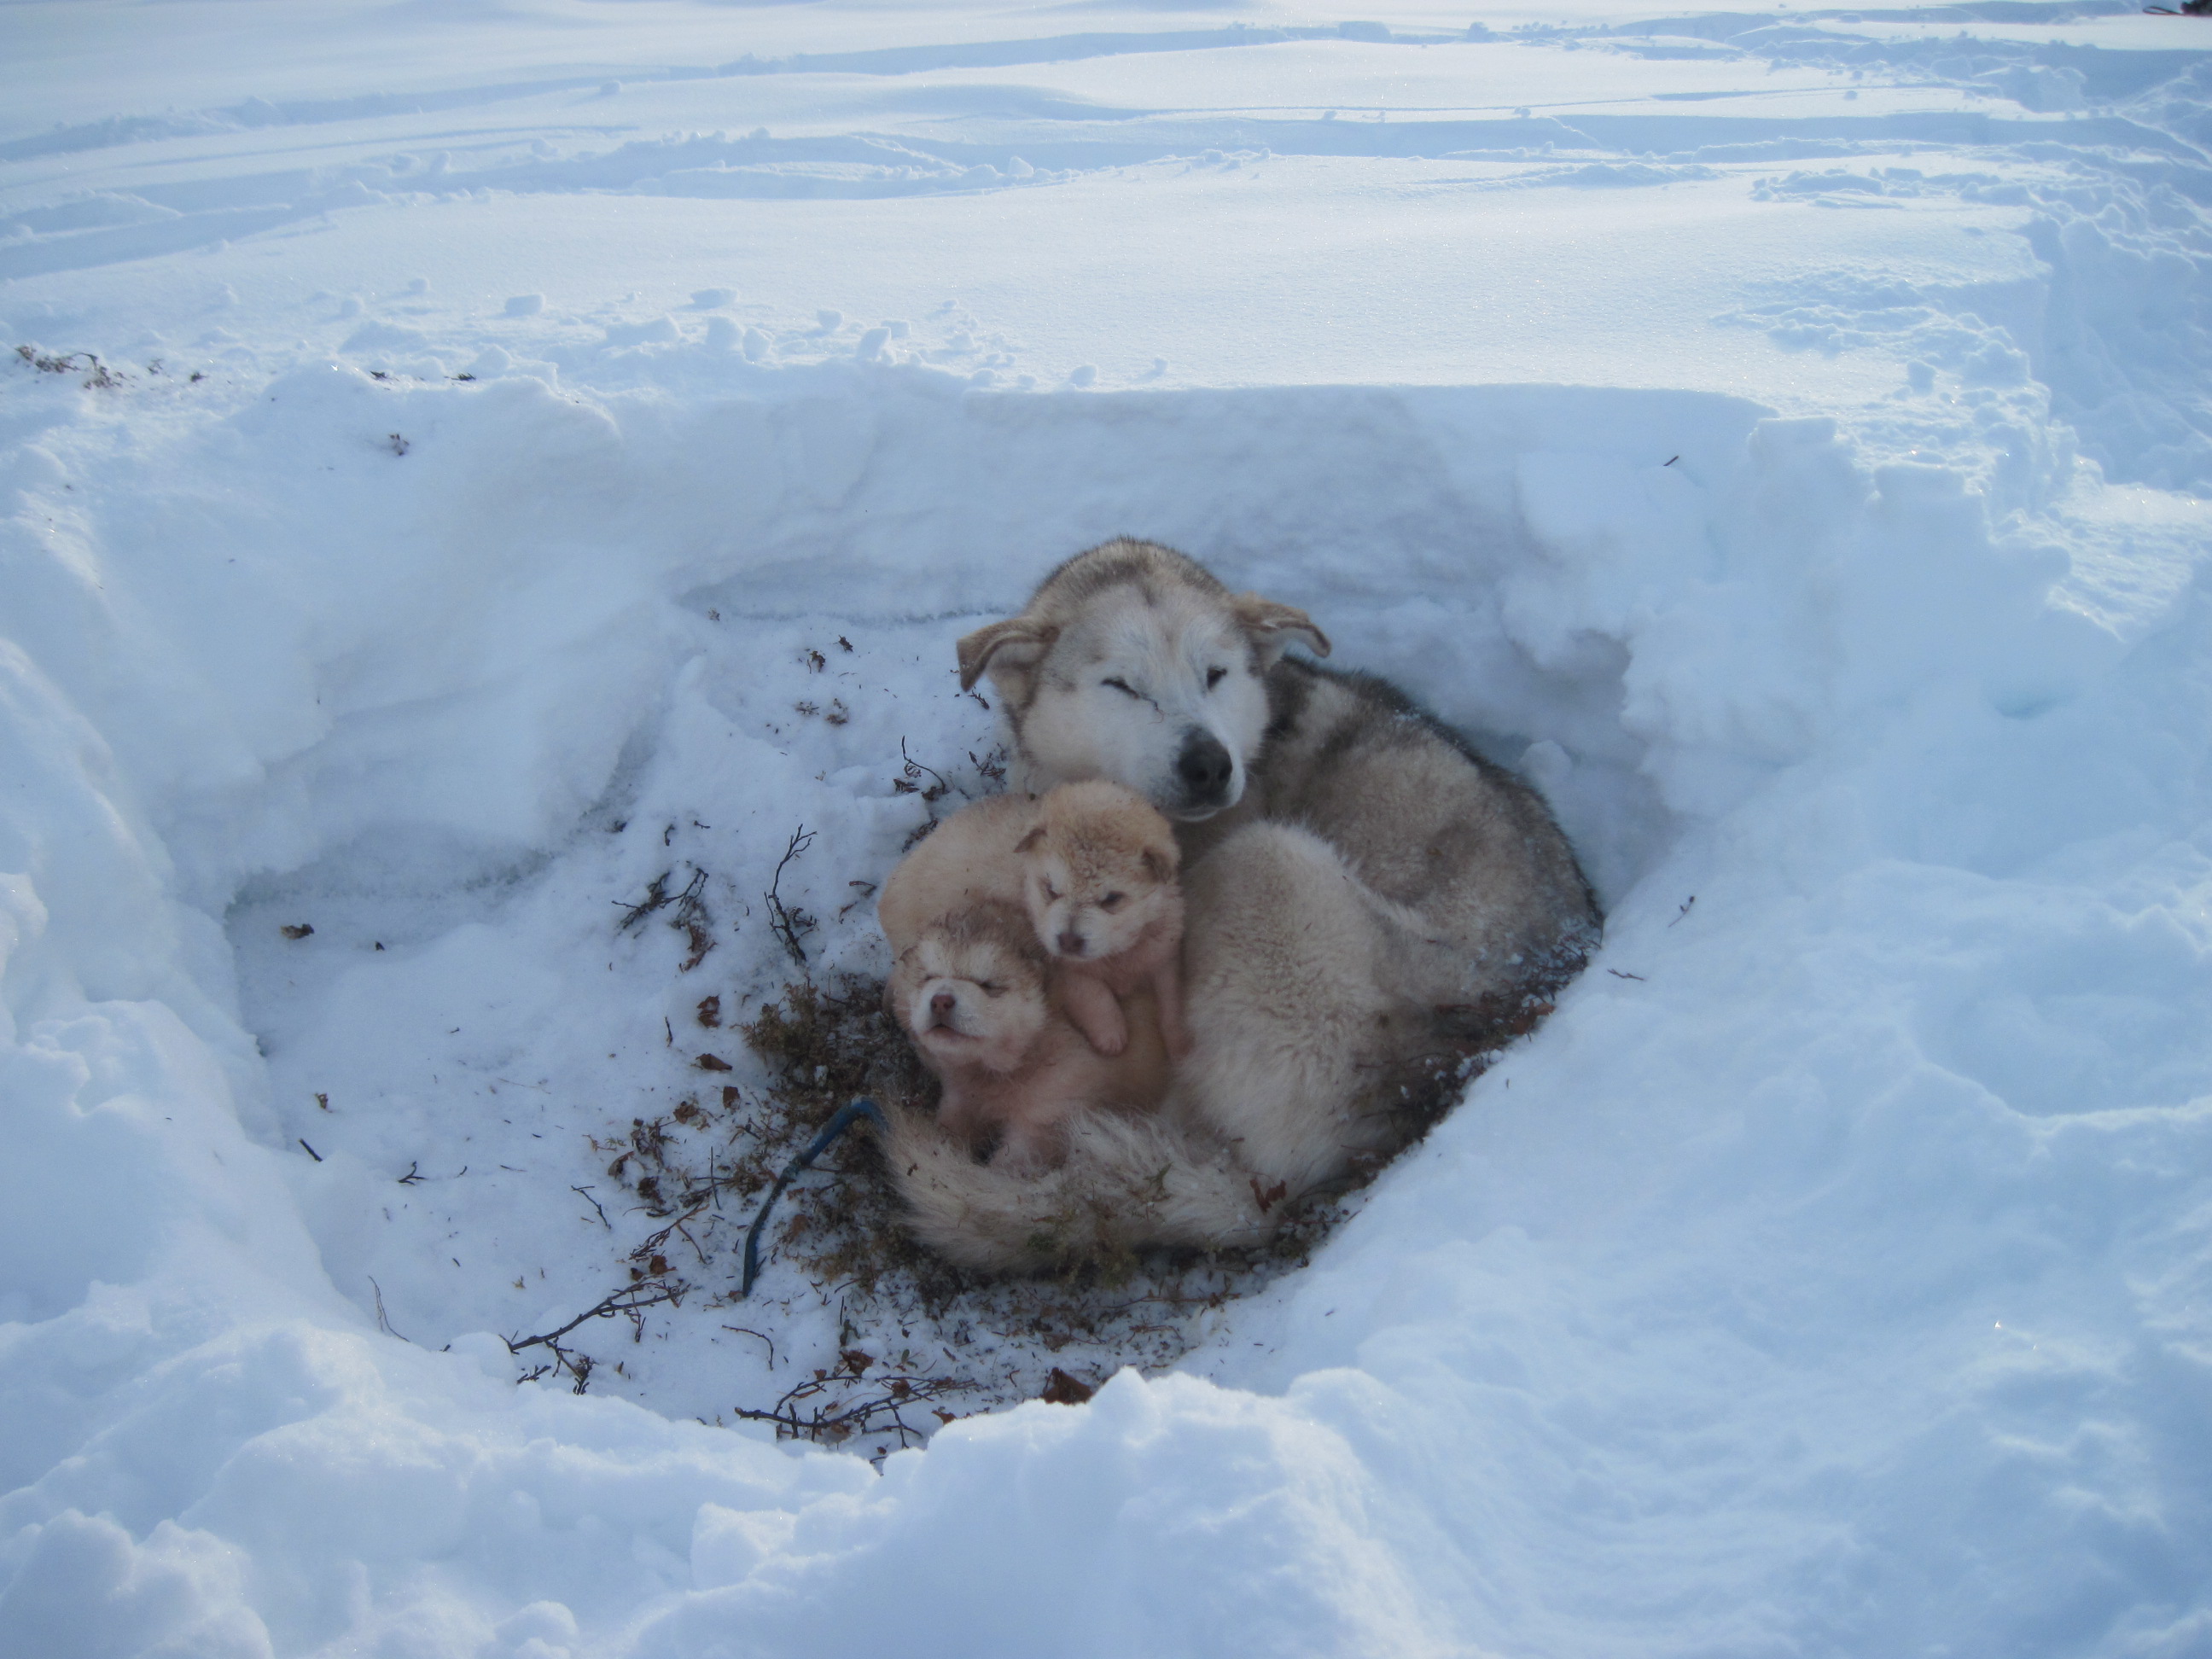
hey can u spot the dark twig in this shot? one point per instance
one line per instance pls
(382, 1323)
(594, 1203)
(692, 920)
(796, 1415)
(910, 781)
(655, 896)
(654, 1242)
(630, 1302)
(788, 925)
(742, 1331)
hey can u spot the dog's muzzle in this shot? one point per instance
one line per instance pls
(1206, 770)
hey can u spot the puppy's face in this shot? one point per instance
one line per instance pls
(975, 996)
(1097, 870)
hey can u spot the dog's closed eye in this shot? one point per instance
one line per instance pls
(1123, 687)
(1112, 901)
(1214, 677)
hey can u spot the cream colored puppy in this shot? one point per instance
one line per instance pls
(1098, 874)
(974, 992)
(967, 860)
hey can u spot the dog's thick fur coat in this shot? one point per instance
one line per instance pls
(1124, 1183)
(1358, 882)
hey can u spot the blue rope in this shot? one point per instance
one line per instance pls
(846, 1115)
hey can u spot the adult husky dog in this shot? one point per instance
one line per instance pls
(1362, 889)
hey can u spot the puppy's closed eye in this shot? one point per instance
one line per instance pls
(1112, 901)
(1122, 686)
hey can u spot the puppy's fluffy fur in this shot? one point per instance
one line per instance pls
(967, 860)
(979, 997)
(1098, 872)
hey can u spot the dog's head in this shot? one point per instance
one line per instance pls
(1132, 663)
(971, 989)
(1099, 869)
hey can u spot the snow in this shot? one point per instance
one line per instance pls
(537, 448)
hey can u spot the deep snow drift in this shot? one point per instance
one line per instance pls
(533, 451)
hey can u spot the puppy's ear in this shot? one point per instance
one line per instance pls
(1161, 863)
(1272, 627)
(1028, 842)
(1015, 643)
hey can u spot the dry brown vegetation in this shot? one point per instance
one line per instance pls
(921, 1342)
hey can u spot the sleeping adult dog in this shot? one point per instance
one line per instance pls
(1362, 889)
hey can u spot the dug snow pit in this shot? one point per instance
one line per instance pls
(610, 714)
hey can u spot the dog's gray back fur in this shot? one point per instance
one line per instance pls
(1429, 824)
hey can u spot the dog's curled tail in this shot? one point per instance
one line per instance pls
(1128, 1184)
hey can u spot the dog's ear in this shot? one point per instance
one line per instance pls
(1031, 840)
(1272, 627)
(1161, 863)
(1016, 643)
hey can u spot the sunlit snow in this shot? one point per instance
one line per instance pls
(465, 462)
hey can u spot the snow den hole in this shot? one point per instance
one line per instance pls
(564, 658)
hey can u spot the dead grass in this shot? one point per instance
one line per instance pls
(98, 376)
(921, 1342)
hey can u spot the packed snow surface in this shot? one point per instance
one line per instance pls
(468, 462)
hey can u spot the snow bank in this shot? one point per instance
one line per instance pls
(487, 513)
(1837, 1214)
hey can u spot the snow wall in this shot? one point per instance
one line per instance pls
(1827, 1276)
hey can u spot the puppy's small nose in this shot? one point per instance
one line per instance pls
(1071, 945)
(942, 1003)
(1205, 767)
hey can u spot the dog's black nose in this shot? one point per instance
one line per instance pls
(1206, 769)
